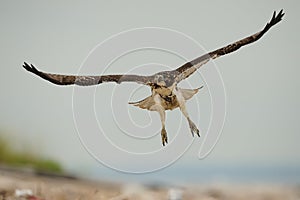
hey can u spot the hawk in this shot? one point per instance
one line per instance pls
(166, 95)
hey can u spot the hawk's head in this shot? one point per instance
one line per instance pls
(159, 80)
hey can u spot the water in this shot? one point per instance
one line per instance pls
(177, 175)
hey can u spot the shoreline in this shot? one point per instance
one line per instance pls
(45, 187)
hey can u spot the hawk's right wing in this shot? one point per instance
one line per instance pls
(86, 80)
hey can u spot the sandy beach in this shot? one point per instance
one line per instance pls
(29, 186)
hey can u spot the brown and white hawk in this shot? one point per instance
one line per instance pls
(165, 93)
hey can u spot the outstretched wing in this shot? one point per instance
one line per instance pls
(86, 80)
(187, 69)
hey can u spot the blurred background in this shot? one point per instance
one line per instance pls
(260, 139)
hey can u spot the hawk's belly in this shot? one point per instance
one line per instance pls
(169, 103)
(168, 99)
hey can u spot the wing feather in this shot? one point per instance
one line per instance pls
(187, 69)
(181, 72)
(146, 103)
(86, 80)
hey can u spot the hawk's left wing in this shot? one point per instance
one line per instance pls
(189, 68)
(86, 80)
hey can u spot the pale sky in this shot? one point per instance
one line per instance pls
(261, 80)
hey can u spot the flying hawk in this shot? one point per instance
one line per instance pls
(166, 95)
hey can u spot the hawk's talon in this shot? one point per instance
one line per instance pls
(198, 133)
(194, 128)
(164, 136)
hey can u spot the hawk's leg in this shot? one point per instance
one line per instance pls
(193, 127)
(162, 115)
